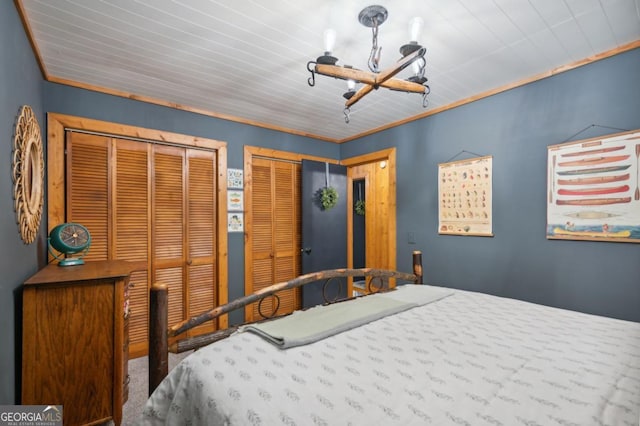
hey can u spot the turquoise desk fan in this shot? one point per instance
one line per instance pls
(69, 239)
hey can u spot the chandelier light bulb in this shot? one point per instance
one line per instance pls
(418, 65)
(329, 40)
(351, 89)
(416, 25)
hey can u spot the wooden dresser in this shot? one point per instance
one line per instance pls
(75, 340)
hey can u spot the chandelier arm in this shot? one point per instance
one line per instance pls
(343, 73)
(403, 85)
(364, 90)
(400, 65)
(366, 77)
(386, 75)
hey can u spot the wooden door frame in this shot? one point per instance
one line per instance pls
(56, 176)
(388, 155)
(249, 153)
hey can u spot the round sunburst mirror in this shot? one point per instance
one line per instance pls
(28, 174)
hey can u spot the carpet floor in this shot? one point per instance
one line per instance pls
(139, 386)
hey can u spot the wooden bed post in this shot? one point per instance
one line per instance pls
(158, 341)
(417, 266)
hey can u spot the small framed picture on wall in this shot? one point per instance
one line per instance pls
(235, 178)
(235, 200)
(235, 222)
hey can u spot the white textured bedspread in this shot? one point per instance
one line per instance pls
(468, 359)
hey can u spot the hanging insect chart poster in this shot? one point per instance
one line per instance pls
(464, 197)
(593, 189)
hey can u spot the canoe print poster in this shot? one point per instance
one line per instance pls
(464, 194)
(593, 190)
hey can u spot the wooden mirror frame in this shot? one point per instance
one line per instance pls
(28, 174)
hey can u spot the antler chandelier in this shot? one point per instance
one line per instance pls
(412, 54)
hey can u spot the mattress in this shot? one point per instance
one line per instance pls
(466, 359)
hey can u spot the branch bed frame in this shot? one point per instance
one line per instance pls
(159, 332)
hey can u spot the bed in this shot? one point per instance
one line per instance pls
(451, 358)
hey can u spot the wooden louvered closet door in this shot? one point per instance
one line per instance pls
(201, 235)
(130, 227)
(275, 231)
(184, 230)
(154, 204)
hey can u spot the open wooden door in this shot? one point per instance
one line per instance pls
(376, 172)
(324, 231)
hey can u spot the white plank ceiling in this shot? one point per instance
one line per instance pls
(247, 59)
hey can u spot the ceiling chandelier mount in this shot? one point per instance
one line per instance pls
(412, 54)
(373, 17)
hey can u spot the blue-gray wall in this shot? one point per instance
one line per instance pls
(20, 84)
(515, 127)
